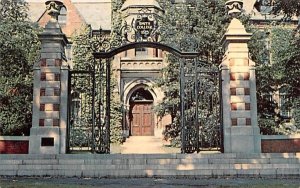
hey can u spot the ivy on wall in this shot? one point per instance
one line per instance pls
(19, 49)
(275, 53)
(83, 59)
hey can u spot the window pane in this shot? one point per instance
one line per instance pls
(141, 52)
(62, 18)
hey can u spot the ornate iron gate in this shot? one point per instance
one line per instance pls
(81, 98)
(90, 91)
(89, 109)
(200, 106)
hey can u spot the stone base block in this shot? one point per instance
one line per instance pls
(44, 140)
(242, 139)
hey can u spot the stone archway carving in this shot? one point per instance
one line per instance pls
(136, 84)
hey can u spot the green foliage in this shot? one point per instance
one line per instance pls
(259, 53)
(19, 50)
(275, 53)
(83, 47)
(204, 22)
(11, 10)
(116, 133)
(169, 83)
(82, 50)
(284, 70)
(296, 112)
(281, 49)
(172, 133)
(116, 5)
(290, 55)
(267, 125)
(288, 7)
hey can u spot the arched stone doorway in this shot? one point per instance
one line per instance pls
(129, 91)
(141, 115)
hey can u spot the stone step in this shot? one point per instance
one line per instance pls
(148, 161)
(110, 163)
(150, 166)
(283, 172)
(146, 165)
(151, 156)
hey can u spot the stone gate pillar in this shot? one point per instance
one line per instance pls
(240, 129)
(49, 118)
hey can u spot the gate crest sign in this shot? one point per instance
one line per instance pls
(144, 26)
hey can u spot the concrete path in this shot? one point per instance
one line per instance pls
(143, 145)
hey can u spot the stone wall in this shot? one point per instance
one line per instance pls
(14, 144)
(208, 165)
(280, 144)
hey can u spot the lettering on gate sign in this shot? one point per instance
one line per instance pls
(143, 27)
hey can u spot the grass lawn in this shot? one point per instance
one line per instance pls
(20, 182)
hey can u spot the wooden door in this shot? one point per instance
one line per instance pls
(142, 119)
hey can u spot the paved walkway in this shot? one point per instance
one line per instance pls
(144, 145)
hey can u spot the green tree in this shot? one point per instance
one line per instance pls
(288, 7)
(19, 49)
(291, 77)
(291, 8)
(202, 21)
(275, 53)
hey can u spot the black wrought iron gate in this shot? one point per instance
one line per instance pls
(89, 109)
(200, 106)
(80, 133)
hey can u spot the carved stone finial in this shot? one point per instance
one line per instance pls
(53, 9)
(234, 7)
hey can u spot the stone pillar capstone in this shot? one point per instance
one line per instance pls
(240, 128)
(50, 89)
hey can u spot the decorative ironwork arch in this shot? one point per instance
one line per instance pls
(147, 44)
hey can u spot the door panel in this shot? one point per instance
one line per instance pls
(142, 120)
(147, 124)
(136, 124)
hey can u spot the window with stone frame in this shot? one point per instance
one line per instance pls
(284, 103)
(155, 52)
(139, 52)
(266, 51)
(69, 53)
(267, 2)
(62, 18)
(265, 6)
(191, 2)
